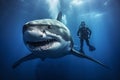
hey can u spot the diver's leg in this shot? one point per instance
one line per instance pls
(91, 48)
(81, 45)
(87, 42)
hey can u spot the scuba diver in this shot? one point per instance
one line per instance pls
(84, 34)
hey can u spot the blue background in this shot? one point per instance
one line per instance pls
(101, 16)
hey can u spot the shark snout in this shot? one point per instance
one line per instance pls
(35, 34)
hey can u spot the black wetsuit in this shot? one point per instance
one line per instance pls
(84, 33)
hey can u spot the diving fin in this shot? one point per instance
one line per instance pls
(78, 54)
(59, 17)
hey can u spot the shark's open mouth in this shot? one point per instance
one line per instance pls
(42, 45)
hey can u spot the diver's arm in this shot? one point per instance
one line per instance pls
(90, 32)
(78, 32)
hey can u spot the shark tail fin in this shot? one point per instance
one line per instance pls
(59, 17)
(78, 54)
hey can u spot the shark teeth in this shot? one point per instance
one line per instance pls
(41, 45)
(36, 49)
(45, 47)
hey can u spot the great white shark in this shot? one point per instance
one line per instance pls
(49, 38)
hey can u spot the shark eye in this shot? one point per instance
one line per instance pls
(49, 27)
(43, 31)
(31, 29)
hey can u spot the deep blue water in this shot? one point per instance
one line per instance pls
(101, 16)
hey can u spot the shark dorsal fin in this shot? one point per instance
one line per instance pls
(59, 17)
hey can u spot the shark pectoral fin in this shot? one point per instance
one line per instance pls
(78, 54)
(26, 58)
